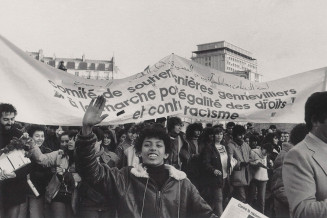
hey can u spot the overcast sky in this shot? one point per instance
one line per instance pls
(285, 36)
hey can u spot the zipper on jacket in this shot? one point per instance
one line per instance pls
(158, 200)
(158, 204)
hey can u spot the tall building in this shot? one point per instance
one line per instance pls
(90, 69)
(228, 58)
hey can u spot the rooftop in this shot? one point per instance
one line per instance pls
(221, 45)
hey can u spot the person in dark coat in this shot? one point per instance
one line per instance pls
(241, 151)
(12, 191)
(92, 203)
(193, 132)
(152, 189)
(180, 153)
(39, 175)
(216, 164)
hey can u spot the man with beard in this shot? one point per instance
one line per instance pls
(7, 132)
(7, 120)
(12, 189)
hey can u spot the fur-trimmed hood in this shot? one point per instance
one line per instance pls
(140, 171)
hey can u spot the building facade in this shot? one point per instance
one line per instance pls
(228, 58)
(89, 69)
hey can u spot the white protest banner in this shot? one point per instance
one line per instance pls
(45, 95)
(210, 94)
(237, 209)
(173, 86)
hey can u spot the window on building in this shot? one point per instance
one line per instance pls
(101, 67)
(70, 65)
(82, 66)
(92, 66)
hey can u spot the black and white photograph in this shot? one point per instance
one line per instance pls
(118, 109)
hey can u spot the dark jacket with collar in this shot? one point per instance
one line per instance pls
(136, 194)
(184, 154)
(241, 175)
(211, 161)
(7, 135)
(89, 198)
(13, 190)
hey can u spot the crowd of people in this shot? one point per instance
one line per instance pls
(153, 168)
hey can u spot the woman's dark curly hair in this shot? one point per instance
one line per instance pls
(238, 130)
(33, 128)
(269, 138)
(192, 128)
(153, 131)
(172, 122)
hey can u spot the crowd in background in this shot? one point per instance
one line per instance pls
(221, 161)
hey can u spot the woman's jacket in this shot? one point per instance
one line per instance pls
(136, 194)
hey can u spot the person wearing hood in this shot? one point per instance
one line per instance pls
(151, 189)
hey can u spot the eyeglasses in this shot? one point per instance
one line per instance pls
(64, 141)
